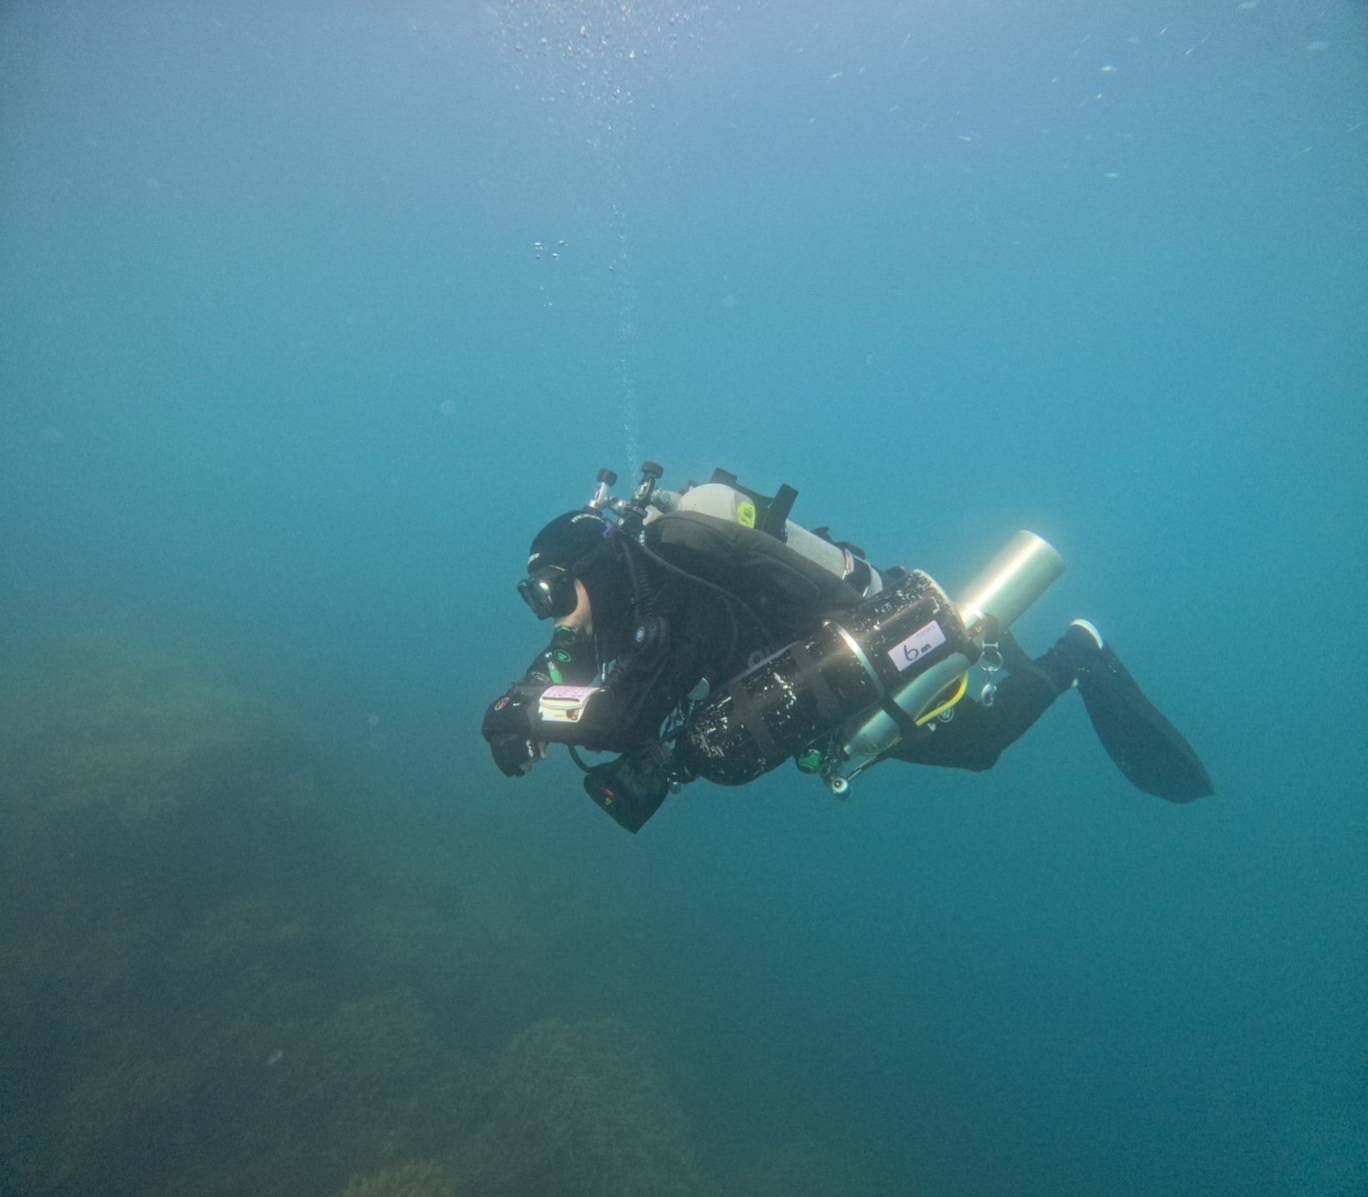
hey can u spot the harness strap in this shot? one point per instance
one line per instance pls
(906, 724)
(748, 716)
(828, 708)
(777, 512)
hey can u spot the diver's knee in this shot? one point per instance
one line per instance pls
(982, 759)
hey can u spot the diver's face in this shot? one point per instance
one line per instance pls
(581, 619)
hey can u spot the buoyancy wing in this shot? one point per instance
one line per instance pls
(1147, 748)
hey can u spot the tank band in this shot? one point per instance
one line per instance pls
(749, 717)
(828, 709)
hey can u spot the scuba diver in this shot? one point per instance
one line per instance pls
(704, 634)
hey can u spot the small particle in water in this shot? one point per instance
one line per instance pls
(1248, 4)
(372, 720)
(1109, 69)
(275, 1057)
(1317, 47)
(1112, 174)
(729, 301)
(447, 407)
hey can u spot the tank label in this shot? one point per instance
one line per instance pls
(920, 644)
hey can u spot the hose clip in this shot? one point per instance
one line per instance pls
(990, 662)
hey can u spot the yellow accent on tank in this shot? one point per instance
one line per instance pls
(745, 514)
(926, 716)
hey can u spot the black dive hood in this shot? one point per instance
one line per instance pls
(560, 552)
(607, 580)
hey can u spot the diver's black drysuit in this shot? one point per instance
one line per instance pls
(707, 638)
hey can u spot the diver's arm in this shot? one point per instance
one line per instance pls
(511, 722)
(627, 710)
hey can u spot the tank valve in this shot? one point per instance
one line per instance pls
(603, 491)
(651, 473)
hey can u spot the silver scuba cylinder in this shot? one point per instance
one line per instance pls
(1013, 580)
(725, 502)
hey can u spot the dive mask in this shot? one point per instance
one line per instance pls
(549, 592)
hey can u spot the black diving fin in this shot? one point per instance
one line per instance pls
(1147, 748)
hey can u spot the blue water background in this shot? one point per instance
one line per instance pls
(311, 314)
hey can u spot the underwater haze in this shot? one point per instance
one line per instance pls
(311, 314)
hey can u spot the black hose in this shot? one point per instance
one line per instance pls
(727, 596)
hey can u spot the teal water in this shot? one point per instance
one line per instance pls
(310, 315)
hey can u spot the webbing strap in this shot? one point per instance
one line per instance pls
(777, 512)
(749, 717)
(828, 708)
(906, 724)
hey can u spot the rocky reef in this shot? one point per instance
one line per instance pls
(580, 1109)
(204, 992)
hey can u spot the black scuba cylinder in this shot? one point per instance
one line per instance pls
(804, 692)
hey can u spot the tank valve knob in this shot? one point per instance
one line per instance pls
(650, 472)
(603, 491)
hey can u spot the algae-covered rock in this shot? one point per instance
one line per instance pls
(483, 959)
(145, 775)
(580, 1110)
(140, 789)
(798, 1170)
(417, 1179)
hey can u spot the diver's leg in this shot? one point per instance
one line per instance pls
(978, 735)
(1145, 746)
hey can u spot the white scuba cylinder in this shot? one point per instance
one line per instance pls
(724, 502)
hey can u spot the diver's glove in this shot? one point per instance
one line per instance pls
(507, 728)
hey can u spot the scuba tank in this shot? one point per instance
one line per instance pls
(723, 499)
(1005, 587)
(859, 687)
(873, 659)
